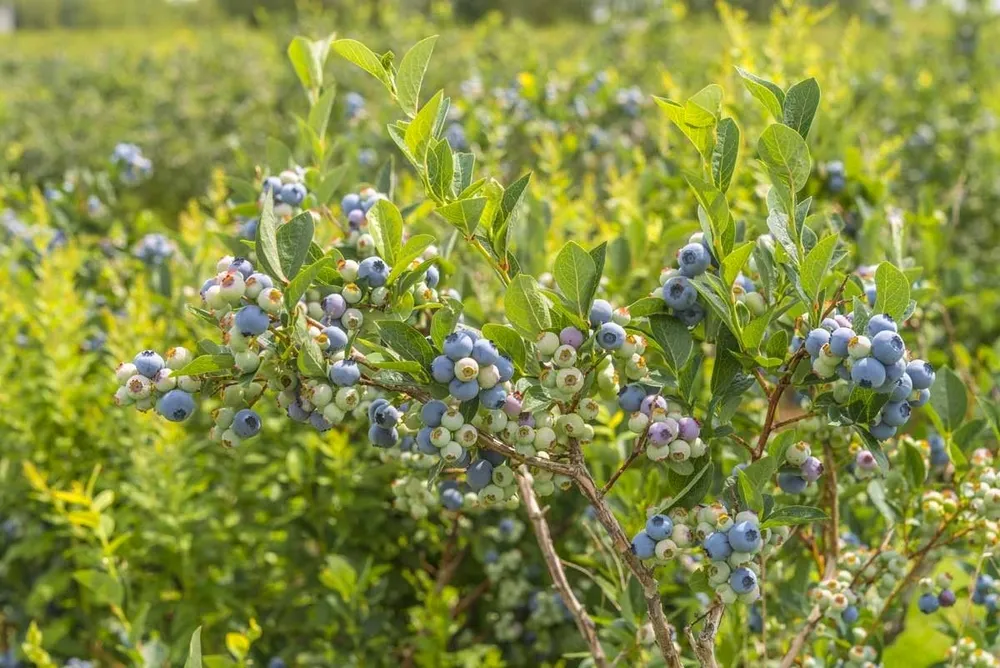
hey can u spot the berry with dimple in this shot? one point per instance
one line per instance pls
(745, 537)
(888, 347)
(138, 387)
(921, 373)
(643, 546)
(693, 259)
(148, 363)
(868, 373)
(743, 580)
(251, 321)
(659, 527)
(928, 603)
(175, 405)
(896, 413)
(600, 312)
(610, 336)
(457, 345)
(293, 193)
(345, 373)
(177, 357)
(678, 293)
(717, 546)
(246, 423)
(881, 322)
(373, 272)
(381, 437)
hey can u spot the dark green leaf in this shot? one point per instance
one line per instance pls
(406, 342)
(793, 515)
(410, 75)
(293, 239)
(800, 106)
(576, 276)
(767, 93)
(674, 338)
(725, 153)
(949, 399)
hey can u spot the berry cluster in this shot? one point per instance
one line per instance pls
(836, 599)
(148, 381)
(876, 362)
(471, 367)
(670, 435)
(985, 593)
(656, 539)
(731, 547)
(155, 249)
(287, 190)
(967, 653)
(929, 601)
(803, 468)
(676, 289)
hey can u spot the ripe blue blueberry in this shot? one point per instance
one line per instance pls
(881, 322)
(791, 482)
(946, 598)
(921, 373)
(466, 391)
(373, 271)
(600, 312)
(432, 412)
(350, 202)
(443, 369)
(386, 416)
(643, 546)
(868, 373)
(479, 475)
(610, 336)
(928, 603)
(745, 537)
(922, 397)
(424, 444)
(242, 265)
(375, 405)
(381, 437)
(319, 423)
(840, 339)
(452, 499)
(296, 412)
(902, 388)
(493, 398)
(293, 193)
(148, 363)
(337, 338)
(630, 397)
(345, 373)
(175, 405)
(882, 431)
(691, 316)
(894, 372)
(815, 341)
(678, 293)
(850, 615)
(693, 260)
(888, 347)
(717, 546)
(659, 527)
(896, 413)
(251, 320)
(505, 368)
(457, 345)
(743, 580)
(334, 305)
(246, 423)
(494, 458)
(485, 352)
(272, 184)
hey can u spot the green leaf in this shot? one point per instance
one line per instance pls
(293, 239)
(410, 251)
(266, 242)
(328, 186)
(525, 306)
(767, 93)
(598, 254)
(800, 106)
(694, 490)
(753, 333)
(421, 130)
(319, 114)
(949, 399)
(340, 576)
(785, 153)
(760, 472)
(576, 276)
(206, 364)
(310, 360)
(385, 179)
(725, 153)
(697, 118)
(735, 261)
(647, 306)
(464, 214)
(674, 338)
(817, 264)
(307, 59)
(406, 342)
(359, 54)
(194, 650)
(861, 315)
(874, 447)
(464, 167)
(793, 515)
(440, 169)
(298, 285)
(385, 224)
(279, 156)
(915, 468)
(863, 405)
(892, 288)
(777, 225)
(507, 205)
(105, 588)
(719, 230)
(508, 341)
(749, 494)
(444, 321)
(411, 72)
(968, 434)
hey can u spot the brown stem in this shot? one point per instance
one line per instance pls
(772, 405)
(640, 447)
(784, 423)
(704, 643)
(470, 598)
(541, 528)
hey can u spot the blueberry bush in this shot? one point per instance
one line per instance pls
(556, 373)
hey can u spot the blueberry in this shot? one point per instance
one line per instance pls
(175, 405)
(811, 469)
(345, 373)
(815, 341)
(493, 398)
(659, 527)
(755, 622)
(350, 202)
(242, 265)
(643, 546)
(334, 305)
(830, 324)
(356, 218)
(251, 320)
(868, 373)
(337, 338)
(148, 363)
(381, 437)
(276, 662)
(928, 603)
(571, 336)
(839, 341)
(662, 433)
(457, 345)
(432, 277)
(691, 316)
(293, 193)
(272, 184)
(743, 580)
(688, 428)
(432, 412)
(246, 423)
(373, 272)
(745, 537)
(896, 413)
(894, 372)
(319, 422)
(871, 294)
(902, 388)
(850, 615)
(424, 444)
(882, 431)
(494, 458)
(888, 347)
(296, 412)
(921, 373)
(452, 499)
(611, 336)
(479, 475)
(881, 322)
(717, 546)
(678, 293)
(946, 598)
(600, 312)
(630, 397)
(791, 482)
(693, 260)
(386, 416)
(485, 352)
(443, 369)
(463, 391)
(923, 396)
(505, 367)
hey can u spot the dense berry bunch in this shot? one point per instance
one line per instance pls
(472, 366)
(287, 190)
(670, 435)
(875, 361)
(676, 289)
(148, 381)
(133, 165)
(801, 469)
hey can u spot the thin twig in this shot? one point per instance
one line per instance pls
(798, 418)
(704, 643)
(640, 447)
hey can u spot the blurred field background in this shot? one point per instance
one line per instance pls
(296, 532)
